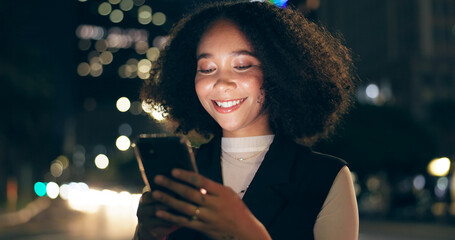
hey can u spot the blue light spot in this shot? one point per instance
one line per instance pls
(40, 189)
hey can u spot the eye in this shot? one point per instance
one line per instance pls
(206, 71)
(205, 66)
(243, 67)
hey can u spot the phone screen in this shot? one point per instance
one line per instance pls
(159, 154)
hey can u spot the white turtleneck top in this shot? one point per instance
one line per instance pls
(338, 218)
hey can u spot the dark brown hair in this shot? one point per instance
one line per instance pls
(308, 73)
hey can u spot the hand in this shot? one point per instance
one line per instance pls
(149, 226)
(211, 208)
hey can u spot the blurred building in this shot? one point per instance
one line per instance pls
(406, 48)
(410, 43)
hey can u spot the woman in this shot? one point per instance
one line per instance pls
(257, 78)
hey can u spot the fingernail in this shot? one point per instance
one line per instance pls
(175, 173)
(158, 179)
(159, 213)
(156, 194)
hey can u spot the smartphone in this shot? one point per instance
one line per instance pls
(158, 154)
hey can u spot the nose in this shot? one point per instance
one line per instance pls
(225, 81)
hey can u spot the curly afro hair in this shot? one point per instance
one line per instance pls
(308, 73)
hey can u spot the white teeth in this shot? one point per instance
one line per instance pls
(228, 104)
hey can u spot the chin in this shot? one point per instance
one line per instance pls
(229, 127)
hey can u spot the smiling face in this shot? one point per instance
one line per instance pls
(229, 80)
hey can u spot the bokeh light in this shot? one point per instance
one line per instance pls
(116, 16)
(143, 75)
(141, 47)
(94, 59)
(155, 110)
(144, 66)
(78, 156)
(144, 15)
(126, 5)
(136, 108)
(419, 182)
(89, 200)
(129, 70)
(147, 107)
(64, 190)
(439, 167)
(442, 183)
(40, 189)
(101, 45)
(160, 41)
(373, 183)
(123, 143)
(52, 190)
(106, 57)
(96, 69)
(83, 69)
(123, 104)
(90, 32)
(125, 129)
(157, 115)
(101, 161)
(84, 200)
(104, 9)
(153, 53)
(56, 169)
(139, 2)
(84, 44)
(159, 18)
(372, 91)
(63, 160)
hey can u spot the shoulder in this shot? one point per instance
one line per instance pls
(339, 210)
(316, 160)
(307, 165)
(321, 159)
(318, 166)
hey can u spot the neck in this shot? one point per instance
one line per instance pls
(246, 133)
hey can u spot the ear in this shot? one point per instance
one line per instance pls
(261, 97)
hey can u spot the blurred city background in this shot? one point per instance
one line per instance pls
(70, 73)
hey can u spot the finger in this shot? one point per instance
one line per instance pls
(206, 185)
(149, 210)
(185, 191)
(181, 220)
(156, 222)
(179, 205)
(146, 215)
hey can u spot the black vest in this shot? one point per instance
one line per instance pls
(287, 192)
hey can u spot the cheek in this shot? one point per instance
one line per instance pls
(202, 88)
(253, 86)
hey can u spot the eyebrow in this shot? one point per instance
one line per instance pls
(235, 53)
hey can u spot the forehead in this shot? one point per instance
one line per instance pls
(223, 33)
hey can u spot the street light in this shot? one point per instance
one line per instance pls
(439, 167)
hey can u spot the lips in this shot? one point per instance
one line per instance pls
(227, 106)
